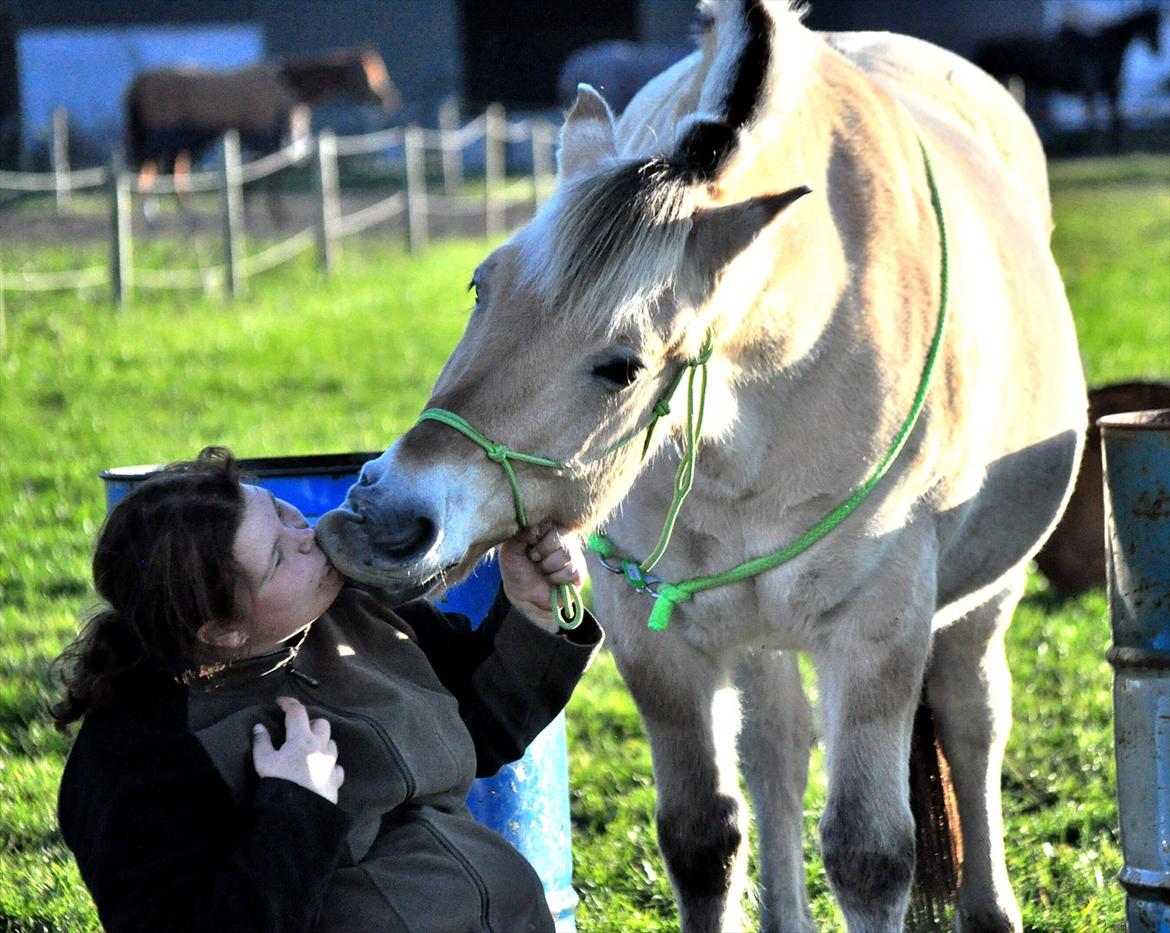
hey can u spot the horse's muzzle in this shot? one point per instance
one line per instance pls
(391, 547)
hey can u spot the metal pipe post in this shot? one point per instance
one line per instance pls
(1136, 451)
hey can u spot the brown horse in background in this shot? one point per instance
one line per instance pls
(173, 115)
(1073, 61)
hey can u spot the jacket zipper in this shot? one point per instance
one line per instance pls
(472, 873)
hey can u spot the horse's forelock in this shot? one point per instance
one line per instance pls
(612, 242)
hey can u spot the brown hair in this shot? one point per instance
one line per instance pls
(163, 565)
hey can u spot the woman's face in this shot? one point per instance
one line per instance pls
(291, 581)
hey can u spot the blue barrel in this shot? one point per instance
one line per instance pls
(1136, 454)
(527, 802)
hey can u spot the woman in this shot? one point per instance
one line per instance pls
(266, 747)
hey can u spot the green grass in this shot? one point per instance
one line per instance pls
(310, 366)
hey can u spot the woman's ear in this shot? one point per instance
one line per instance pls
(225, 636)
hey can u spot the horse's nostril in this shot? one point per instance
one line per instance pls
(405, 535)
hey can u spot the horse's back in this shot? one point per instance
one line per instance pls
(1015, 399)
(251, 99)
(957, 106)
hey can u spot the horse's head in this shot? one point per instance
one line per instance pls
(1150, 28)
(581, 323)
(359, 74)
(374, 82)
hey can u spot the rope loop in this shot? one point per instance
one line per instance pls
(497, 453)
(705, 350)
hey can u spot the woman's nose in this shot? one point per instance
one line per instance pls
(305, 538)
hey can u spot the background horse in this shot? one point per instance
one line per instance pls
(173, 115)
(762, 219)
(1073, 61)
(617, 68)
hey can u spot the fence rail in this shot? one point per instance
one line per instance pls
(408, 145)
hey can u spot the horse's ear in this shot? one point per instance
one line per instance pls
(719, 234)
(587, 136)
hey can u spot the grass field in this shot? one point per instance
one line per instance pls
(311, 366)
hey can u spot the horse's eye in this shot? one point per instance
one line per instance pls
(619, 372)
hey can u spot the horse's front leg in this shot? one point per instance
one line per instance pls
(689, 708)
(870, 665)
(774, 744)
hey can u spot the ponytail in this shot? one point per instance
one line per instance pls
(91, 667)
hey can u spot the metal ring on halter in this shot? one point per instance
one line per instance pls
(640, 582)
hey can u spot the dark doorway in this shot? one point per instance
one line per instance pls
(514, 49)
(9, 95)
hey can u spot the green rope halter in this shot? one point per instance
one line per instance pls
(567, 599)
(668, 595)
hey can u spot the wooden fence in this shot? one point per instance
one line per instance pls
(414, 202)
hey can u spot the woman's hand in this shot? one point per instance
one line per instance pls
(308, 756)
(534, 560)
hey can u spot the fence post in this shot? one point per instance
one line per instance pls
(452, 147)
(417, 232)
(60, 156)
(543, 145)
(329, 197)
(121, 234)
(495, 141)
(233, 213)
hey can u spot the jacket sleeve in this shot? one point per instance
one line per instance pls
(511, 677)
(161, 845)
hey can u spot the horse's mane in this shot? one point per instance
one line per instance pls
(614, 239)
(617, 241)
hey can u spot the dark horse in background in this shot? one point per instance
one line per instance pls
(1073, 61)
(173, 115)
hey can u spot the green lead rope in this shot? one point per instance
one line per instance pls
(670, 595)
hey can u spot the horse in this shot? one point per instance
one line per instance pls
(616, 67)
(175, 114)
(1073, 60)
(837, 248)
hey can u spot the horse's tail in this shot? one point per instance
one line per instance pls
(938, 835)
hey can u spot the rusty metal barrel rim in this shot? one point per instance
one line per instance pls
(1154, 420)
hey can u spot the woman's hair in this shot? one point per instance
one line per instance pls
(163, 565)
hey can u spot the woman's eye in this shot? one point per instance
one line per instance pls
(619, 372)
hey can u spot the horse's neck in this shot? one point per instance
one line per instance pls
(850, 297)
(315, 81)
(1117, 38)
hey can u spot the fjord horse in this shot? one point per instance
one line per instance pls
(173, 115)
(869, 342)
(1073, 61)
